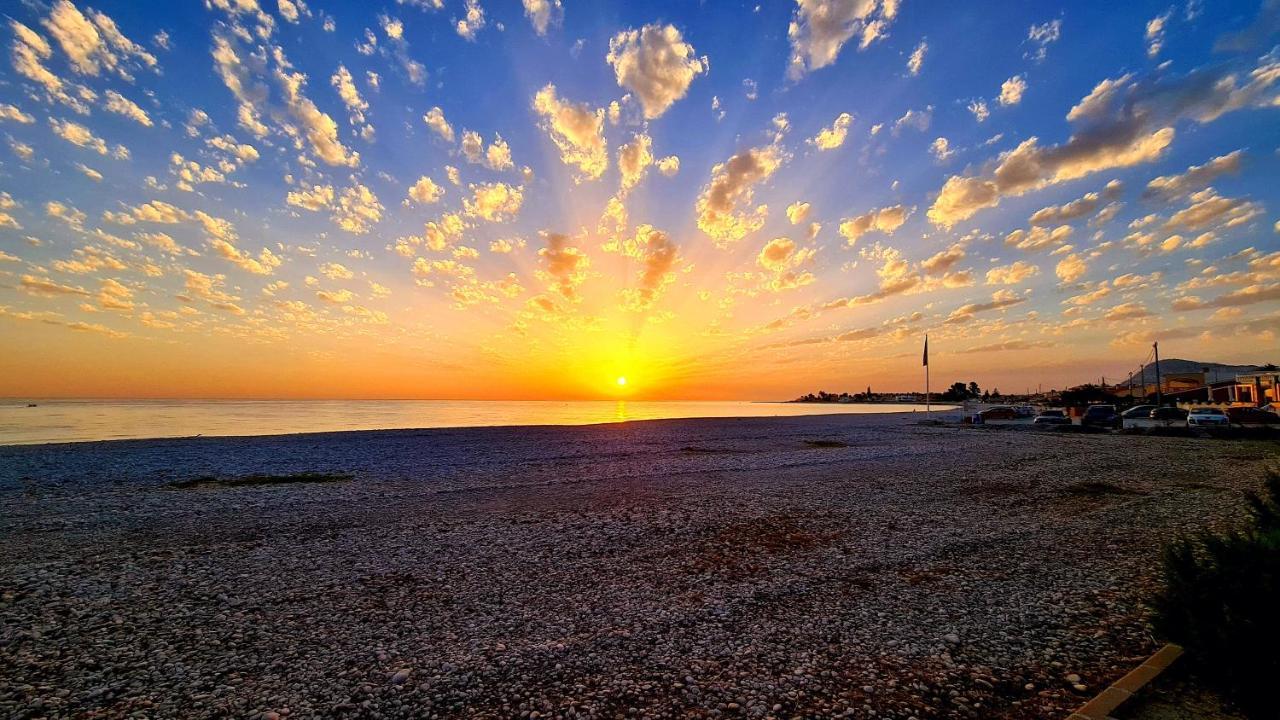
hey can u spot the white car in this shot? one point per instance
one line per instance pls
(1207, 417)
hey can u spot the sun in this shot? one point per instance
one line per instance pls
(622, 381)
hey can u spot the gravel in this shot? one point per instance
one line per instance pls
(839, 566)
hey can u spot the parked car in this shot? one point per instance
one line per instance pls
(1025, 410)
(1207, 417)
(1251, 416)
(1138, 412)
(1052, 417)
(999, 413)
(1100, 416)
(1170, 415)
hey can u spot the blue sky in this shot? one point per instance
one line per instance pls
(198, 196)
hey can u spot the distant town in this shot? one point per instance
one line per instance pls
(1170, 381)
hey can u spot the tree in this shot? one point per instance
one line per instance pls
(974, 390)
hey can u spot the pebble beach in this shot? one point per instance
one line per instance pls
(827, 566)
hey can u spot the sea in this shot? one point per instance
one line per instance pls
(34, 421)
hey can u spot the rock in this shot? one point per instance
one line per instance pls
(400, 676)
(952, 638)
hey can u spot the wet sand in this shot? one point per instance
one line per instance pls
(865, 566)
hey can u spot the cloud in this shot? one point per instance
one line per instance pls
(78, 134)
(656, 64)
(294, 113)
(562, 266)
(1122, 122)
(121, 105)
(435, 120)
(658, 255)
(28, 53)
(820, 28)
(1207, 209)
(1007, 345)
(1043, 35)
(425, 191)
(1038, 238)
(1000, 300)
(832, 137)
(495, 202)
(916, 61)
(472, 22)
(669, 165)
(1250, 295)
(1011, 274)
(15, 114)
(45, 287)
(1071, 268)
(724, 206)
(979, 110)
(543, 14)
(783, 258)
(885, 220)
(356, 105)
(577, 130)
(1155, 33)
(1127, 311)
(1011, 90)
(941, 149)
(336, 271)
(943, 261)
(358, 210)
(1194, 177)
(798, 212)
(1079, 208)
(94, 46)
(914, 119)
(634, 160)
(317, 198)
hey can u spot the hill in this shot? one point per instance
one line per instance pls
(1217, 371)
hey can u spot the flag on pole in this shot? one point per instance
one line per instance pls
(926, 351)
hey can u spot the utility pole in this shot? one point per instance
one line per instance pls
(1131, 385)
(1143, 372)
(1156, 347)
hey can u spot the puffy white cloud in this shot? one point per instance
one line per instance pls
(916, 61)
(1011, 274)
(543, 14)
(495, 202)
(1209, 209)
(1038, 238)
(820, 28)
(634, 159)
(655, 64)
(78, 134)
(94, 45)
(425, 191)
(336, 271)
(724, 206)
(1155, 33)
(832, 137)
(979, 110)
(798, 212)
(15, 114)
(472, 21)
(1076, 209)
(577, 130)
(1000, 300)
(435, 120)
(317, 198)
(885, 220)
(785, 260)
(122, 105)
(358, 210)
(1194, 177)
(915, 119)
(1011, 90)
(669, 165)
(1071, 268)
(350, 94)
(1123, 122)
(941, 149)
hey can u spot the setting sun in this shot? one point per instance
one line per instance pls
(622, 381)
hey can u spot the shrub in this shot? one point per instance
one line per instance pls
(1221, 602)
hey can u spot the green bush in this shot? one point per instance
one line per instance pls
(1221, 602)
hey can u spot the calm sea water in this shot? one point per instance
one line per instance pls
(79, 420)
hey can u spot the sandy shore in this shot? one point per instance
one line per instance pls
(795, 567)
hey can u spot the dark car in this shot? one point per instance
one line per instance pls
(999, 413)
(1138, 412)
(1252, 416)
(1052, 417)
(1170, 415)
(1100, 416)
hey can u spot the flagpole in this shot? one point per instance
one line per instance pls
(927, 404)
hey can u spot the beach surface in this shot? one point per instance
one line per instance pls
(856, 566)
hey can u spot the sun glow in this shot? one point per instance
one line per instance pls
(622, 381)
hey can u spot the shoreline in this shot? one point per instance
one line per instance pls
(4, 444)
(820, 565)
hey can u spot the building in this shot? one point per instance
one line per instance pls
(1257, 388)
